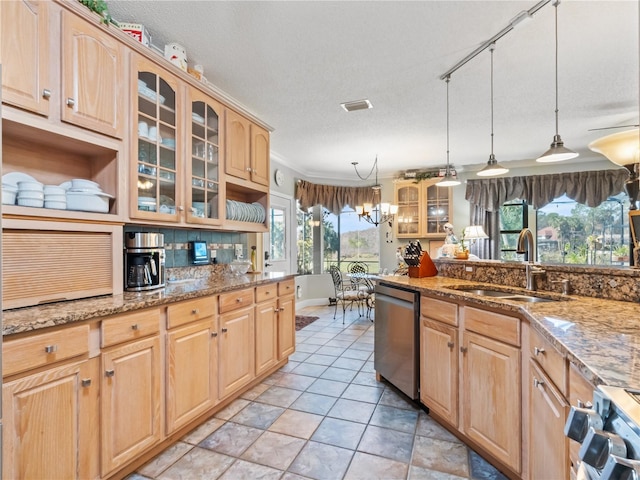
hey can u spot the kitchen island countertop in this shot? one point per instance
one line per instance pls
(601, 337)
(61, 313)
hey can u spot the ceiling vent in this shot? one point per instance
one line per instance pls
(357, 105)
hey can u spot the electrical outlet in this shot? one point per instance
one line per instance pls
(238, 249)
(468, 269)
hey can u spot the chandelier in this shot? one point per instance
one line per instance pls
(376, 212)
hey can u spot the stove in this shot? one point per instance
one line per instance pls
(609, 434)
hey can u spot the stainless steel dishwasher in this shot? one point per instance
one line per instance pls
(396, 337)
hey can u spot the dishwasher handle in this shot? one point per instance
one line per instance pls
(410, 296)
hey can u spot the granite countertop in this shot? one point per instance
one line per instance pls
(601, 337)
(34, 318)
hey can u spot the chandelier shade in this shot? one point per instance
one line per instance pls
(377, 211)
(622, 148)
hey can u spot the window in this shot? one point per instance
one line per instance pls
(304, 241)
(513, 218)
(349, 239)
(570, 232)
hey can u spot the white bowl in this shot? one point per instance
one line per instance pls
(82, 183)
(55, 198)
(29, 185)
(54, 190)
(33, 194)
(56, 205)
(8, 198)
(88, 202)
(9, 187)
(30, 202)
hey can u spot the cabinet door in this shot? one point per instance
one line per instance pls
(266, 335)
(204, 200)
(24, 40)
(286, 326)
(157, 175)
(237, 160)
(438, 209)
(236, 344)
(439, 369)
(93, 80)
(131, 402)
(50, 423)
(409, 218)
(491, 396)
(192, 384)
(259, 155)
(548, 446)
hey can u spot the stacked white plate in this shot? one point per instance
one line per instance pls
(10, 186)
(245, 212)
(30, 193)
(55, 197)
(86, 195)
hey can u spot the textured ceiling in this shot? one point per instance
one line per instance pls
(292, 63)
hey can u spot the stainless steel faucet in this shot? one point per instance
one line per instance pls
(525, 245)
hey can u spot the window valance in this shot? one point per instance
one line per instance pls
(334, 198)
(590, 188)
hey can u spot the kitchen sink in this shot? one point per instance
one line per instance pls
(518, 297)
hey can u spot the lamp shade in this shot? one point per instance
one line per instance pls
(474, 232)
(622, 148)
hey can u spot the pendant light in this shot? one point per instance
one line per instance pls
(448, 180)
(492, 168)
(558, 152)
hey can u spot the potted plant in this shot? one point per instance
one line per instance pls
(462, 252)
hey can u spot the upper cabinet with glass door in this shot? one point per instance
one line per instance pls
(156, 191)
(204, 200)
(423, 209)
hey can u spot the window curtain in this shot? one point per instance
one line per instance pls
(590, 188)
(333, 198)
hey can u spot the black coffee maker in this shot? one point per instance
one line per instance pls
(143, 261)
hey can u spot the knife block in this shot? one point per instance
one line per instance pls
(426, 267)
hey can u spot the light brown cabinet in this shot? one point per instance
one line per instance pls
(247, 149)
(191, 360)
(236, 341)
(266, 335)
(286, 326)
(423, 209)
(24, 55)
(50, 422)
(260, 155)
(131, 401)
(92, 87)
(491, 384)
(439, 358)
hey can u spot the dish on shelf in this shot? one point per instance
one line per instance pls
(55, 205)
(30, 185)
(33, 194)
(141, 84)
(197, 118)
(147, 204)
(31, 202)
(88, 201)
(169, 142)
(54, 190)
(245, 212)
(14, 177)
(82, 183)
(150, 94)
(9, 194)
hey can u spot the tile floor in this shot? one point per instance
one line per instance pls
(321, 416)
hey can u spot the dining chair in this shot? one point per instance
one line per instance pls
(344, 293)
(359, 275)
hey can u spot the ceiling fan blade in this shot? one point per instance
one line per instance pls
(609, 128)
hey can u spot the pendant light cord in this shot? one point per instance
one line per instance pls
(492, 48)
(448, 168)
(556, 3)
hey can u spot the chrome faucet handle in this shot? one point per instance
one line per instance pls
(565, 285)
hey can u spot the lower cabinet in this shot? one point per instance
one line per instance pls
(50, 423)
(266, 334)
(236, 350)
(131, 401)
(286, 326)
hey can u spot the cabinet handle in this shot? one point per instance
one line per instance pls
(582, 404)
(70, 102)
(450, 344)
(180, 208)
(537, 383)
(51, 348)
(463, 349)
(46, 93)
(109, 373)
(239, 300)
(135, 326)
(249, 169)
(214, 334)
(85, 382)
(224, 330)
(538, 350)
(195, 311)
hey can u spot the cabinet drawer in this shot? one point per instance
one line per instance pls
(286, 288)
(45, 348)
(493, 325)
(191, 310)
(551, 360)
(266, 292)
(238, 299)
(444, 312)
(130, 326)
